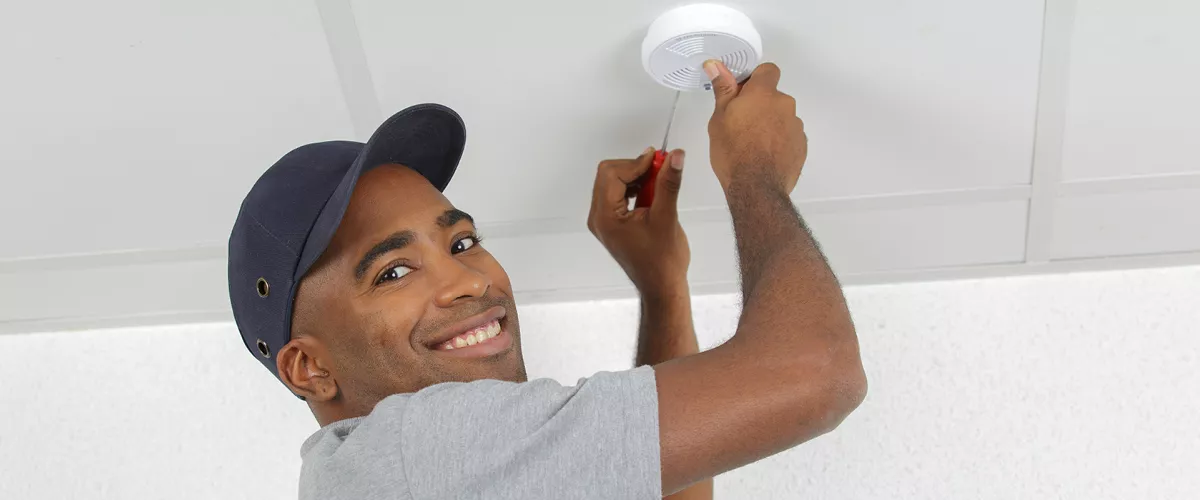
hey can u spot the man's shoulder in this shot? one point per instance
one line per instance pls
(451, 436)
(451, 399)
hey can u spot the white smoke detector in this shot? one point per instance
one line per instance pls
(680, 40)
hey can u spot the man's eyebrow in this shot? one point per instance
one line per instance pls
(396, 241)
(451, 217)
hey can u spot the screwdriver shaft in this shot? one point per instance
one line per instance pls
(670, 120)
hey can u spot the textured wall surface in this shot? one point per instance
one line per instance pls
(1072, 386)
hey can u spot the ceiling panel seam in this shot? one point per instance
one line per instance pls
(979, 271)
(350, 63)
(83, 323)
(512, 229)
(1131, 184)
(198, 313)
(1058, 26)
(530, 227)
(113, 259)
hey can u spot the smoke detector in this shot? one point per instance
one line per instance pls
(681, 39)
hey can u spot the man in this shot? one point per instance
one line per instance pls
(370, 296)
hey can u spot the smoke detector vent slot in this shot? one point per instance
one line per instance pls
(688, 45)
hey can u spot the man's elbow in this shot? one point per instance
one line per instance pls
(847, 392)
(842, 390)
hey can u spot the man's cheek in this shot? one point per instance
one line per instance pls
(496, 273)
(390, 331)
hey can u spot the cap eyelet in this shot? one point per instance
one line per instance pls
(263, 287)
(264, 349)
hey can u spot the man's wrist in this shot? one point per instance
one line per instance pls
(665, 294)
(751, 178)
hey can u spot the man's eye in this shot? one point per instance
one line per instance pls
(393, 273)
(464, 244)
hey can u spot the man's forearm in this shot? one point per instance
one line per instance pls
(795, 318)
(666, 332)
(784, 274)
(772, 237)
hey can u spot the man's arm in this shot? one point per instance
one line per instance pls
(792, 371)
(650, 245)
(665, 333)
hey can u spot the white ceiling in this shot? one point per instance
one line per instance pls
(949, 138)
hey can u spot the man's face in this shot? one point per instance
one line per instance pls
(405, 297)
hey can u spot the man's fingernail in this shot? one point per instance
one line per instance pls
(711, 69)
(648, 151)
(677, 161)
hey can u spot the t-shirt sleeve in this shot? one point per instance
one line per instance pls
(539, 439)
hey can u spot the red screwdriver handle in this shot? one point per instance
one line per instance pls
(645, 195)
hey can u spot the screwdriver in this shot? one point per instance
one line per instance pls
(645, 195)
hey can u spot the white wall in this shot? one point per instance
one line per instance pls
(1066, 386)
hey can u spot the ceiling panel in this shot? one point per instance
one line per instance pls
(899, 96)
(1133, 99)
(1148, 222)
(923, 237)
(138, 124)
(132, 129)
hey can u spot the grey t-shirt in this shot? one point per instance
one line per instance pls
(495, 440)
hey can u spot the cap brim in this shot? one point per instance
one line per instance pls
(428, 138)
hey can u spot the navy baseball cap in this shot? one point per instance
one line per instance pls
(292, 212)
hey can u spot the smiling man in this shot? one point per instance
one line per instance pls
(371, 297)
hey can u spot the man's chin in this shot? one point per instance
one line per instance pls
(506, 365)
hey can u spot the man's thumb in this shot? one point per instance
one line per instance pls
(725, 86)
(667, 185)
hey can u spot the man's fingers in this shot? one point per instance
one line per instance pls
(667, 185)
(613, 178)
(765, 77)
(725, 86)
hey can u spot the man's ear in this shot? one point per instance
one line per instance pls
(305, 371)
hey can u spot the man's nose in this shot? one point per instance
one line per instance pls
(458, 281)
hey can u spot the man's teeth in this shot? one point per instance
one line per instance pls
(477, 336)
